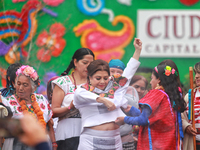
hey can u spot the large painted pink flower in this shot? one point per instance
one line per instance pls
(53, 2)
(48, 2)
(52, 43)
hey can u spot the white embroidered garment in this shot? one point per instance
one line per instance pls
(94, 113)
(15, 107)
(67, 86)
(68, 127)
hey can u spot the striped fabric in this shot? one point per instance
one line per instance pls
(196, 112)
(160, 134)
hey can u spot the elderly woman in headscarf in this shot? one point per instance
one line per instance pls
(26, 101)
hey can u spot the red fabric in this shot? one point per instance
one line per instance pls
(162, 123)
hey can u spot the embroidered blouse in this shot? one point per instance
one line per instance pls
(94, 113)
(15, 107)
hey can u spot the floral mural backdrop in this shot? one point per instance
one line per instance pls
(45, 33)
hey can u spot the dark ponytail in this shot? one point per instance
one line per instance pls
(78, 55)
(11, 74)
(71, 65)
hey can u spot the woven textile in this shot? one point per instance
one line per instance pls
(160, 133)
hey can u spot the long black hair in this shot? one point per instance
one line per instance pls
(10, 78)
(168, 79)
(78, 55)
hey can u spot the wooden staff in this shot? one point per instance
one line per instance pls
(192, 104)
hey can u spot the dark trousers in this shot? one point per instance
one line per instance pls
(68, 144)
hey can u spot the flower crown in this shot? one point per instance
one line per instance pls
(28, 71)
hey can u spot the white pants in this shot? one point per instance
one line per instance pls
(100, 140)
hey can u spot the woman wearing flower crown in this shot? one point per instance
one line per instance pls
(160, 115)
(99, 103)
(26, 101)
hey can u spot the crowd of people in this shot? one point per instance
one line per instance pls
(97, 105)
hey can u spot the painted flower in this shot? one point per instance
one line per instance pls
(53, 2)
(3, 76)
(167, 72)
(48, 2)
(12, 56)
(52, 43)
(189, 2)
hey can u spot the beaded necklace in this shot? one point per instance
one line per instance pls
(35, 109)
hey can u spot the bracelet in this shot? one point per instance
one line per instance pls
(54, 144)
(69, 107)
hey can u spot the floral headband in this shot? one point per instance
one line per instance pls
(28, 71)
(168, 70)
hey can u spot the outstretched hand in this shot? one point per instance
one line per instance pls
(119, 121)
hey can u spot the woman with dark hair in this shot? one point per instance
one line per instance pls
(99, 103)
(140, 83)
(161, 108)
(10, 80)
(69, 124)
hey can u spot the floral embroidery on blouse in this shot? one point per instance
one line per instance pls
(15, 107)
(117, 80)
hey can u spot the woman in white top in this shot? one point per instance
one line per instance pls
(99, 103)
(69, 124)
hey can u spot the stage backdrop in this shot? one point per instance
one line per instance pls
(45, 33)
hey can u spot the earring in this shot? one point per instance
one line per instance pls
(157, 85)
